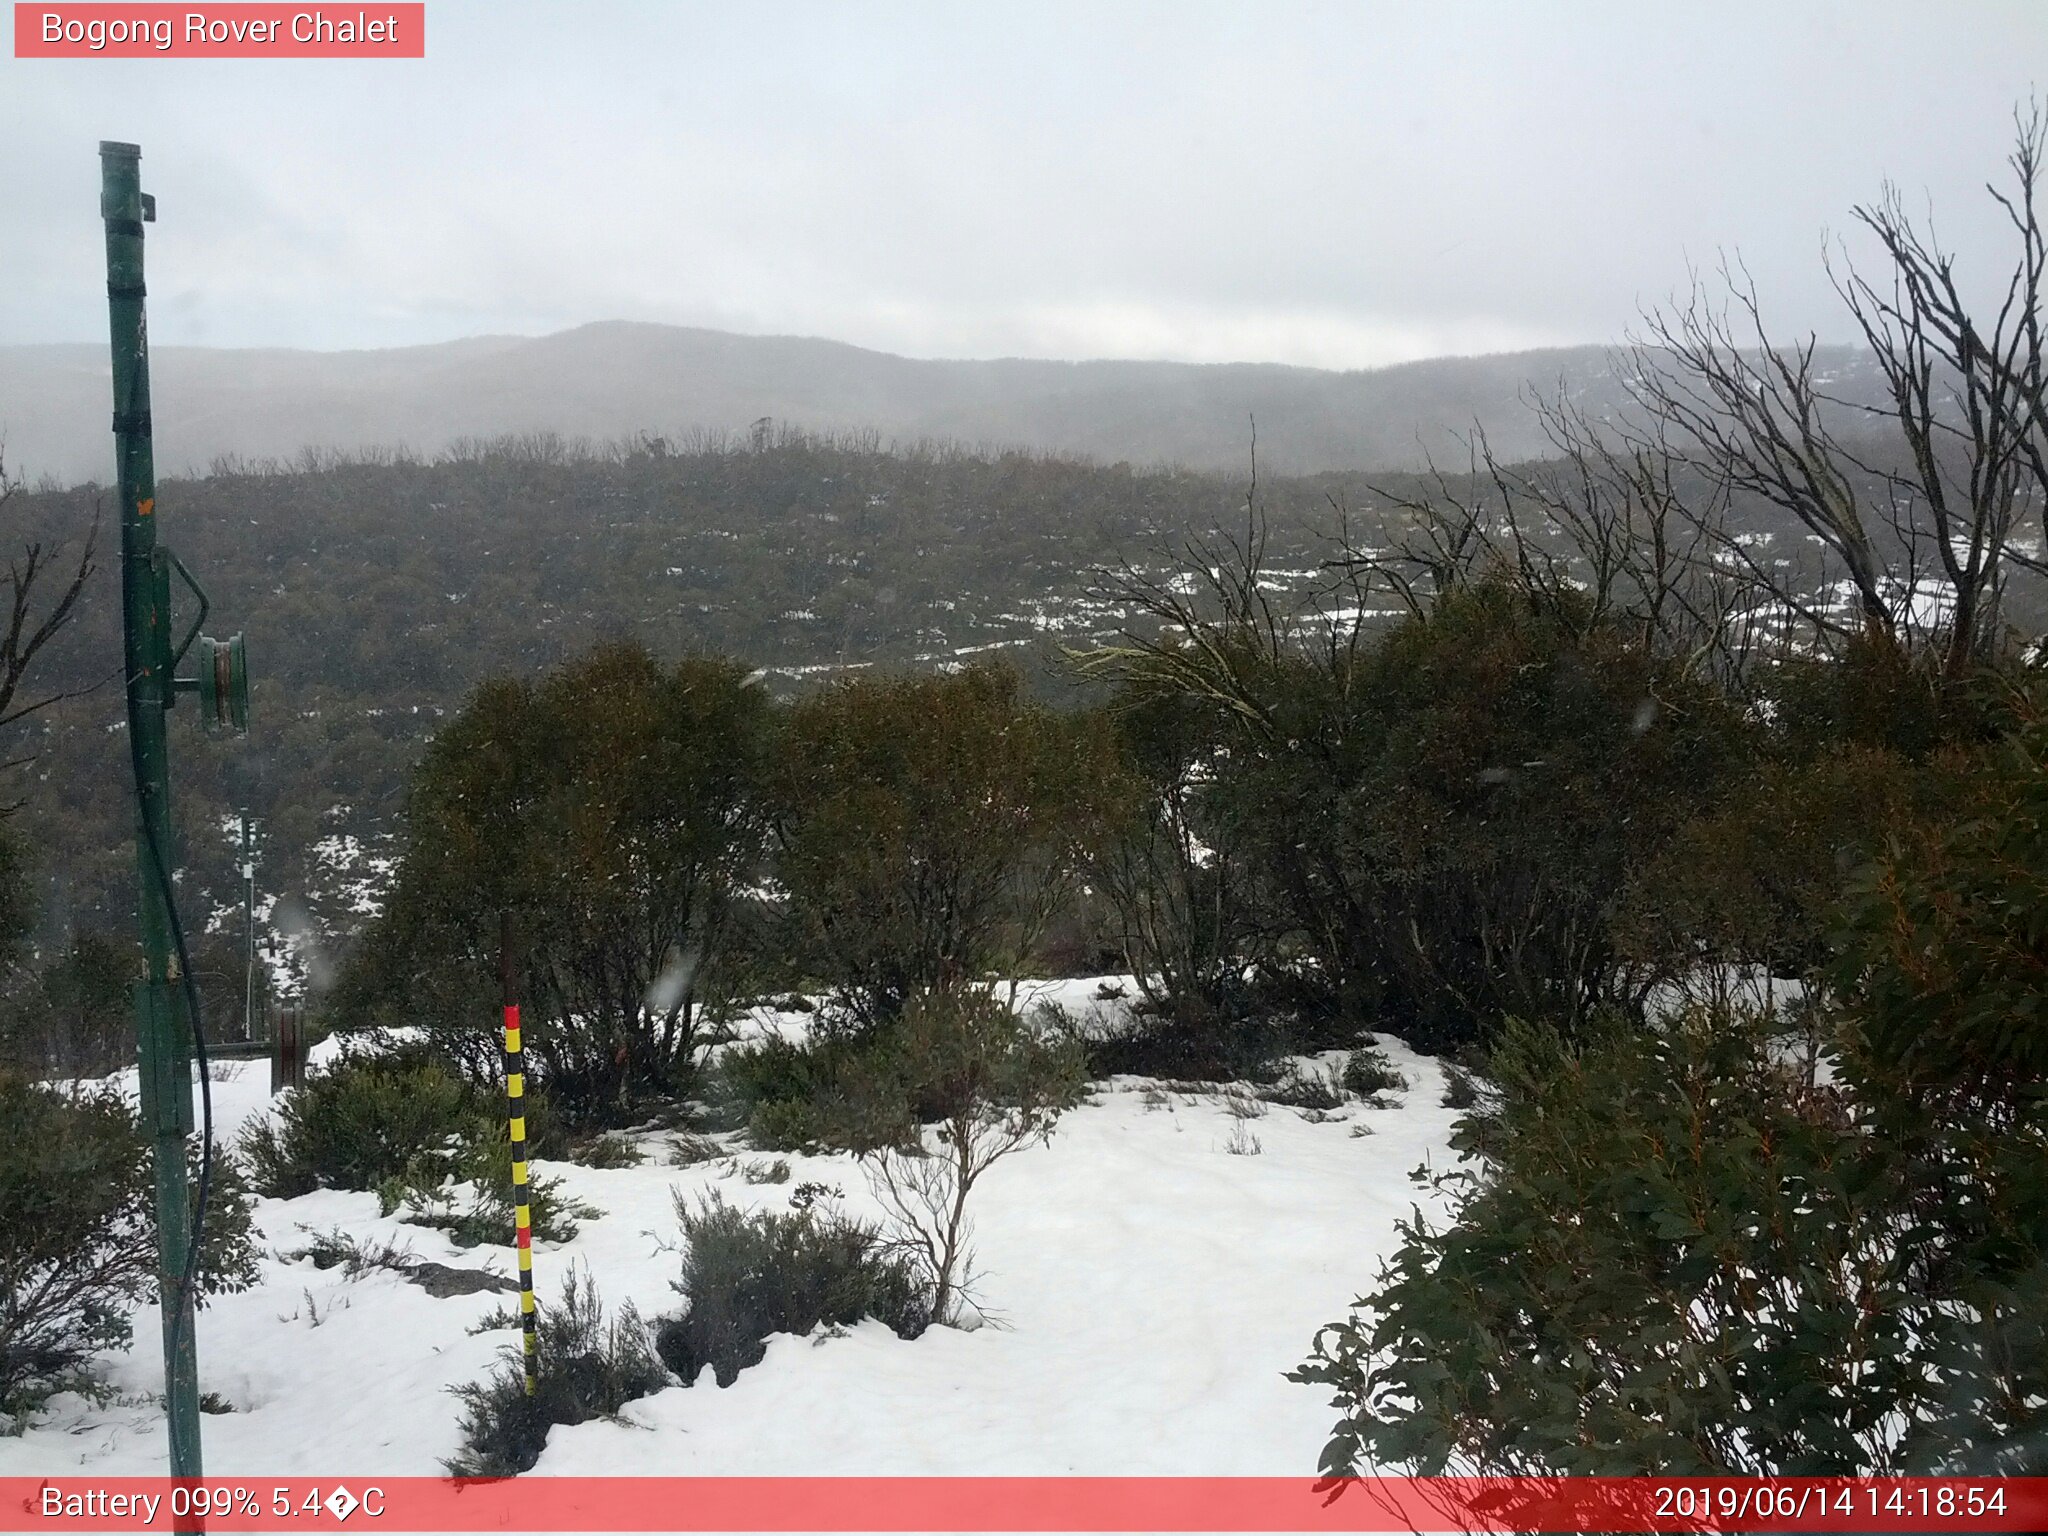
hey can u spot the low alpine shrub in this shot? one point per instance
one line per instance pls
(1306, 1089)
(1461, 1089)
(467, 1192)
(588, 1369)
(746, 1276)
(363, 1120)
(1368, 1073)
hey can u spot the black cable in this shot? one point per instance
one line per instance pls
(187, 1301)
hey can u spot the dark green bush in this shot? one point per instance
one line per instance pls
(1428, 823)
(787, 1094)
(928, 827)
(1224, 1049)
(1368, 1073)
(78, 1241)
(771, 1070)
(1172, 867)
(839, 1090)
(365, 1119)
(1676, 1257)
(786, 1125)
(588, 1369)
(602, 1151)
(69, 1013)
(748, 1276)
(1944, 946)
(612, 809)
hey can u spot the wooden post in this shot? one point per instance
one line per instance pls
(288, 1053)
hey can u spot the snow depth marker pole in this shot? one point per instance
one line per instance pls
(515, 1099)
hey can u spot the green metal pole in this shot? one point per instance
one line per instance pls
(163, 1033)
(248, 935)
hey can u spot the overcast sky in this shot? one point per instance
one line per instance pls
(1342, 185)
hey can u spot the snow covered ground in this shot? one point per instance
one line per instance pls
(1152, 1286)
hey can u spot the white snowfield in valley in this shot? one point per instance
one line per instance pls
(1150, 1287)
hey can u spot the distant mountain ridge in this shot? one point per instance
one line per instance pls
(617, 378)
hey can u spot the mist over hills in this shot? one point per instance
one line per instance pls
(619, 378)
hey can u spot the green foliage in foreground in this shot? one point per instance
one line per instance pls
(78, 1243)
(1676, 1256)
(746, 1276)
(1945, 947)
(363, 1120)
(589, 1369)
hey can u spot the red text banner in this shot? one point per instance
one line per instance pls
(238, 31)
(1110, 1504)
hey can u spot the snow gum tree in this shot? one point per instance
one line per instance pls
(611, 812)
(927, 829)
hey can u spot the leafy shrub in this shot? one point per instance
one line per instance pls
(70, 1013)
(601, 1151)
(1943, 947)
(353, 1256)
(769, 1085)
(1368, 1073)
(1675, 1257)
(78, 1243)
(1751, 883)
(1410, 806)
(785, 1125)
(841, 1090)
(363, 1120)
(687, 1150)
(469, 1196)
(1172, 869)
(748, 1276)
(587, 1369)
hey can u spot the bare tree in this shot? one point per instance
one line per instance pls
(35, 615)
(1969, 401)
(997, 1089)
(1916, 503)
(1937, 505)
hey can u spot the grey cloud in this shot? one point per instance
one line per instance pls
(1340, 185)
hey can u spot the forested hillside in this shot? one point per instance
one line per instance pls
(608, 379)
(376, 592)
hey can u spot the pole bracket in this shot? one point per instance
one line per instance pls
(198, 619)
